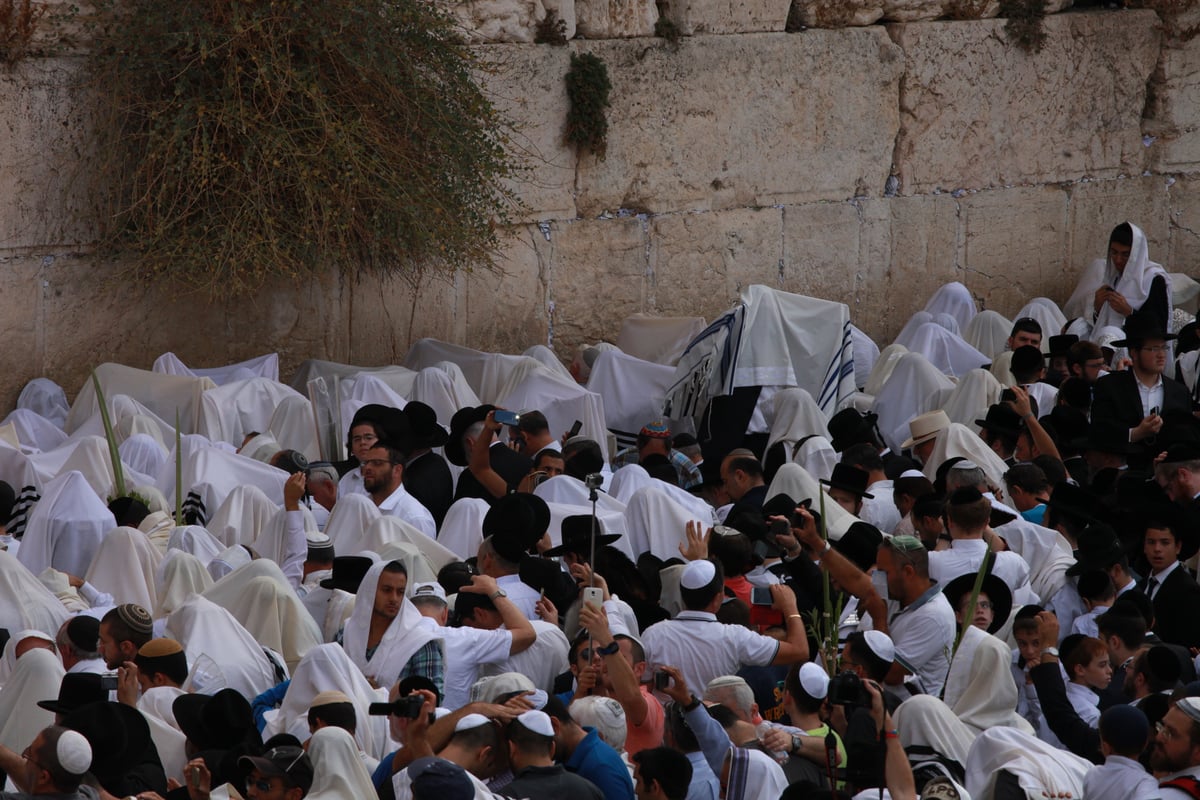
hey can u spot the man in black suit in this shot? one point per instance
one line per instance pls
(472, 428)
(1174, 593)
(426, 474)
(1138, 398)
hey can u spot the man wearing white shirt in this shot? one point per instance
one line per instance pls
(881, 509)
(383, 476)
(967, 515)
(78, 641)
(511, 528)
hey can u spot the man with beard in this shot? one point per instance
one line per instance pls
(1177, 750)
(383, 478)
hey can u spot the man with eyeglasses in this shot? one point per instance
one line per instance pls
(53, 765)
(383, 478)
(281, 773)
(1177, 750)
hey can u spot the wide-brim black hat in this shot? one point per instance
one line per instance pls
(1099, 548)
(1140, 326)
(423, 425)
(576, 536)
(860, 543)
(1060, 345)
(463, 419)
(118, 734)
(849, 427)
(849, 479)
(515, 523)
(348, 573)
(1074, 501)
(77, 689)
(216, 722)
(996, 589)
(1000, 418)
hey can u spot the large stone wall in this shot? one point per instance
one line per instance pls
(865, 164)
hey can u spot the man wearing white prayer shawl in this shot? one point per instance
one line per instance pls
(1125, 281)
(338, 772)
(65, 527)
(384, 636)
(36, 676)
(25, 602)
(1008, 762)
(224, 654)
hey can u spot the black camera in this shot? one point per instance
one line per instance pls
(846, 689)
(661, 680)
(409, 707)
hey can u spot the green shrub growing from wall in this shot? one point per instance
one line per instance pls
(244, 140)
(587, 91)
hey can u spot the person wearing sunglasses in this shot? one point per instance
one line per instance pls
(281, 773)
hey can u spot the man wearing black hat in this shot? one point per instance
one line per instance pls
(1000, 428)
(848, 487)
(427, 476)
(511, 529)
(1029, 367)
(849, 427)
(472, 436)
(1138, 398)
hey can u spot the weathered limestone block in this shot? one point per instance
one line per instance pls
(596, 277)
(729, 121)
(615, 19)
(1171, 117)
(1014, 241)
(977, 112)
(20, 301)
(1096, 207)
(821, 250)
(836, 13)
(506, 310)
(701, 262)
(485, 21)
(696, 17)
(1185, 226)
(926, 10)
(913, 10)
(525, 83)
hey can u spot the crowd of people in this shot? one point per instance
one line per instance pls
(969, 575)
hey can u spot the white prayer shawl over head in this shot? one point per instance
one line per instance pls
(144, 453)
(244, 515)
(338, 771)
(125, 566)
(914, 387)
(796, 417)
(36, 676)
(229, 412)
(817, 456)
(889, 357)
(948, 322)
(953, 299)
(181, 576)
(59, 585)
(444, 391)
(220, 651)
(35, 433)
(294, 426)
(261, 367)
(211, 474)
(227, 561)
(546, 357)
(975, 392)
(655, 523)
(368, 388)
(753, 774)
(161, 394)
(462, 529)
(403, 638)
(45, 398)
(128, 417)
(661, 340)
(259, 597)
(8, 660)
(1184, 292)
(794, 481)
(420, 569)
(272, 539)
(1048, 315)
(87, 455)
(988, 332)
(25, 603)
(926, 721)
(1133, 284)
(351, 516)
(1041, 769)
(328, 668)
(979, 687)
(65, 527)
(910, 328)
(1046, 552)
(624, 483)
(946, 350)
(961, 441)
(1001, 369)
(633, 390)
(197, 541)
(866, 353)
(561, 400)
(315, 369)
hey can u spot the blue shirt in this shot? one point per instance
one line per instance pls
(1036, 515)
(600, 764)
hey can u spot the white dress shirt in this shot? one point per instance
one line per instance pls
(1119, 778)
(965, 555)
(466, 650)
(703, 648)
(404, 506)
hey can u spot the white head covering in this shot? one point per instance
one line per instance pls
(197, 541)
(222, 652)
(244, 515)
(403, 638)
(972, 396)
(910, 328)
(227, 561)
(1041, 769)
(753, 774)
(259, 597)
(351, 516)
(35, 432)
(47, 399)
(272, 540)
(979, 687)
(211, 474)
(326, 668)
(8, 660)
(338, 772)
(65, 527)
(817, 456)
(230, 411)
(796, 483)
(144, 453)
(945, 349)
(888, 358)
(36, 676)
(654, 522)
(443, 391)
(633, 390)
(294, 426)
(389, 531)
(462, 529)
(796, 417)
(125, 567)
(959, 440)
(866, 353)
(1047, 314)
(162, 395)
(988, 332)
(914, 387)
(87, 454)
(948, 322)
(953, 299)
(926, 721)
(24, 601)
(181, 576)
(261, 366)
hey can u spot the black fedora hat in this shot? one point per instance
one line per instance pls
(215, 722)
(515, 523)
(1074, 501)
(77, 689)
(119, 736)
(1059, 345)
(997, 591)
(850, 427)
(1000, 418)
(1099, 548)
(463, 419)
(1140, 326)
(1069, 424)
(576, 536)
(860, 543)
(424, 427)
(849, 479)
(348, 573)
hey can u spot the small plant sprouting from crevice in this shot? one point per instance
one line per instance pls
(1023, 23)
(551, 30)
(588, 87)
(18, 22)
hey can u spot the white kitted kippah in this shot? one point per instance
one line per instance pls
(539, 699)
(697, 574)
(880, 644)
(471, 721)
(1190, 706)
(538, 722)
(74, 753)
(964, 464)
(912, 473)
(814, 681)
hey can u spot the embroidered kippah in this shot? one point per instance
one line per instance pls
(137, 618)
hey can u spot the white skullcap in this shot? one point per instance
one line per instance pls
(440, 712)
(429, 590)
(329, 698)
(1190, 706)
(471, 721)
(814, 681)
(74, 753)
(912, 473)
(697, 574)
(965, 464)
(488, 690)
(538, 722)
(880, 644)
(721, 681)
(539, 699)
